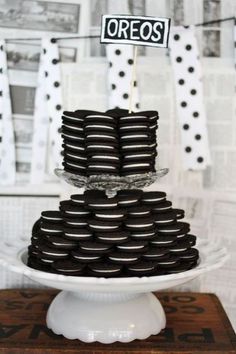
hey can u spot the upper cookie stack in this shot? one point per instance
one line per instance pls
(133, 233)
(115, 142)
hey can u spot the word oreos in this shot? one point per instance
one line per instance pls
(141, 30)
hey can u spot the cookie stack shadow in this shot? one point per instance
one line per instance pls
(133, 233)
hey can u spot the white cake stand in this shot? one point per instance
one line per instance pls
(107, 310)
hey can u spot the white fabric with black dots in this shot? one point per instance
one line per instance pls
(47, 115)
(187, 69)
(120, 61)
(7, 140)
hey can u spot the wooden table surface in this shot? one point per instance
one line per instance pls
(196, 323)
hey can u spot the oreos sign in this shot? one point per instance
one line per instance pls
(137, 30)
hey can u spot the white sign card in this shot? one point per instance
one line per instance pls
(137, 30)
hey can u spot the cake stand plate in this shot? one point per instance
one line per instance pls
(109, 182)
(107, 310)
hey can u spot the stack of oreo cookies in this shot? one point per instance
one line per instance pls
(134, 233)
(114, 143)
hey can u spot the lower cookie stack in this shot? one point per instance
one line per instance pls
(134, 233)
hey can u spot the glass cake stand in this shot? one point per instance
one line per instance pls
(107, 310)
(109, 182)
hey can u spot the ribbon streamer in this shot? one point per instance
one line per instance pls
(47, 115)
(187, 69)
(120, 59)
(7, 140)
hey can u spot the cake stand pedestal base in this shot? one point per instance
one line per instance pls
(105, 317)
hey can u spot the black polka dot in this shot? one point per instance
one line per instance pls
(130, 61)
(1, 47)
(1, 70)
(58, 107)
(200, 159)
(198, 137)
(178, 59)
(113, 86)
(195, 114)
(46, 73)
(121, 74)
(54, 61)
(186, 27)
(176, 37)
(125, 96)
(188, 149)
(188, 47)
(50, 120)
(118, 52)
(135, 83)
(191, 69)
(181, 82)
(47, 97)
(53, 143)
(193, 92)
(183, 104)
(56, 84)
(0, 116)
(44, 51)
(53, 40)
(137, 105)
(185, 126)
(0, 93)
(0, 139)
(110, 64)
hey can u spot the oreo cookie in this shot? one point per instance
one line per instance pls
(78, 234)
(169, 263)
(61, 243)
(123, 257)
(52, 253)
(152, 198)
(114, 214)
(143, 234)
(51, 228)
(163, 241)
(69, 267)
(115, 238)
(85, 257)
(154, 254)
(191, 255)
(165, 218)
(132, 246)
(76, 222)
(177, 228)
(78, 199)
(75, 211)
(93, 247)
(142, 268)
(106, 270)
(139, 223)
(179, 213)
(161, 207)
(102, 203)
(51, 216)
(104, 226)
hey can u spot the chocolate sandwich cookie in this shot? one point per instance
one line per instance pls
(102, 203)
(109, 158)
(102, 127)
(76, 117)
(131, 119)
(142, 268)
(163, 241)
(155, 253)
(134, 136)
(93, 193)
(33, 251)
(133, 246)
(139, 223)
(139, 211)
(85, 257)
(52, 253)
(69, 267)
(178, 228)
(123, 257)
(74, 128)
(75, 169)
(74, 156)
(125, 201)
(135, 166)
(36, 226)
(164, 218)
(100, 147)
(38, 265)
(104, 226)
(97, 168)
(179, 268)
(127, 147)
(76, 222)
(115, 238)
(77, 234)
(105, 137)
(75, 147)
(143, 234)
(75, 211)
(64, 204)
(106, 270)
(52, 216)
(191, 239)
(179, 213)
(169, 263)
(134, 127)
(137, 156)
(180, 248)
(137, 193)
(114, 214)
(93, 247)
(161, 207)
(152, 198)
(78, 199)
(99, 118)
(69, 136)
(191, 255)
(60, 242)
(51, 228)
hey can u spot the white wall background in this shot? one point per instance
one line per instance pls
(208, 197)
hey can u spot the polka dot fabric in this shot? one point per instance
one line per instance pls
(189, 98)
(7, 142)
(48, 109)
(120, 60)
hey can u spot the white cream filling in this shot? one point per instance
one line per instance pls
(130, 248)
(99, 146)
(75, 147)
(109, 216)
(153, 199)
(137, 155)
(47, 260)
(55, 254)
(127, 201)
(123, 259)
(51, 218)
(173, 230)
(103, 205)
(99, 126)
(93, 249)
(141, 269)
(162, 208)
(134, 127)
(113, 238)
(77, 157)
(74, 128)
(134, 136)
(73, 118)
(134, 146)
(72, 164)
(102, 166)
(139, 225)
(163, 221)
(106, 270)
(103, 227)
(73, 137)
(132, 117)
(59, 244)
(137, 165)
(76, 223)
(105, 157)
(86, 258)
(48, 230)
(161, 242)
(140, 213)
(77, 235)
(77, 212)
(143, 235)
(179, 250)
(100, 136)
(99, 116)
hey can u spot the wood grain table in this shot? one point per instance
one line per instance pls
(196, 323)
